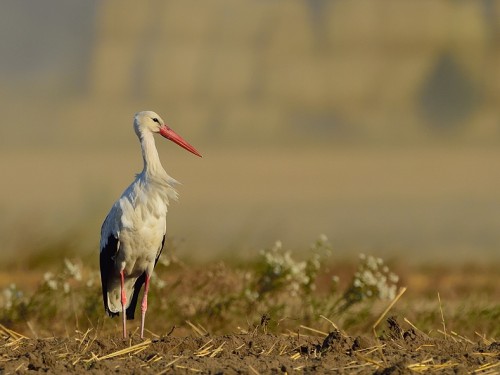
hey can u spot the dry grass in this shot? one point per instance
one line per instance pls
(219, 298)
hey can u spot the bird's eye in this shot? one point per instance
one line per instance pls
(156, 120)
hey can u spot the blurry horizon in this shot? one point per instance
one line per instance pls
(376, 124)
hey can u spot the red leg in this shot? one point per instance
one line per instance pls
(124, 303)
(144, 305)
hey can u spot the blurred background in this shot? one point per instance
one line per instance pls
(374, 123)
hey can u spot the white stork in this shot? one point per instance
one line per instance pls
(133, 233)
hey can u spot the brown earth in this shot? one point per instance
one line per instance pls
(399, 349)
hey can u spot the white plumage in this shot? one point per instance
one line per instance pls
(133, 233)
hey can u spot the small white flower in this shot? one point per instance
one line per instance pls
(73, 269)
(8, 296)
(50, 280)
(52, 284)
(393, 278)
(371, 263)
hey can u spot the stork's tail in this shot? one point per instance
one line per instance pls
(112, 299)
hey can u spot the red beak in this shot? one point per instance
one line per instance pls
(176, 138)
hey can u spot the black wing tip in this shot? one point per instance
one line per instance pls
(106, 265)
(130, 314)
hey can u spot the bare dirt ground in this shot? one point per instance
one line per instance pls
(398, 349)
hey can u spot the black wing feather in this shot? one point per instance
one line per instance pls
(107, 264)
(138, 285)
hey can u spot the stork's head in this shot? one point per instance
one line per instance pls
(149, 121)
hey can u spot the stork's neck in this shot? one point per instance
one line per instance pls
(152, 164)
